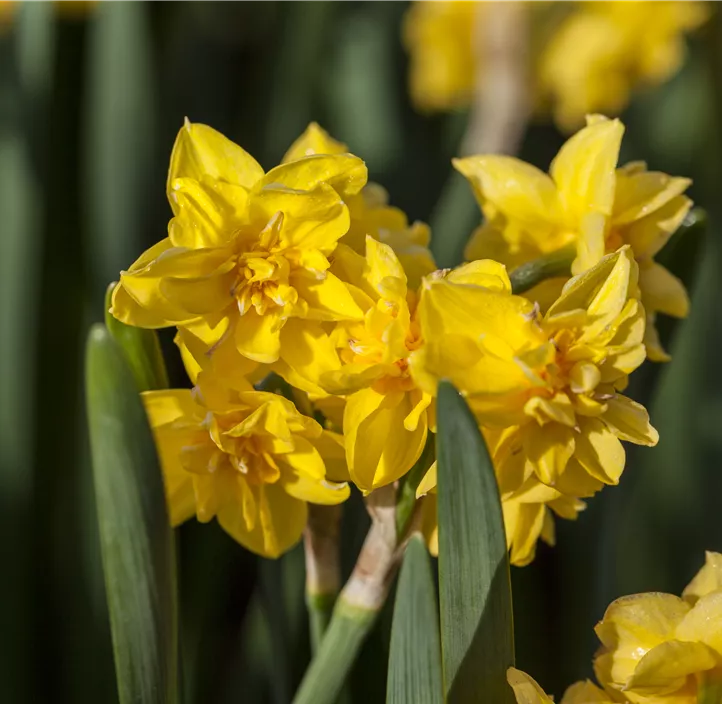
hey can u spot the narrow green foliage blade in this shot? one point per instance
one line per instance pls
(415, 658)
(135, 535)
(141, 349)
(476, 616)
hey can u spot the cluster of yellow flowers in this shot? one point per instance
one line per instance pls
(656, 649)
(306, 271)
(591, 55)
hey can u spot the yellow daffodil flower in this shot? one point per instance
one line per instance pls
(659, 648)
(603, 50)
(370, 213)
(385, 419)
(244, 271)
(438, 36)
(527, 511)
(587, 202)
(248, 458)
(546, 390)
(526, 690)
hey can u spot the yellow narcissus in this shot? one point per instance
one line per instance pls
(370, 213)
(527, 691)
(244, 272)
(248, 458)
(603, 50)
(385, 419)
(546, 390)
(661, 649)
(585, 202)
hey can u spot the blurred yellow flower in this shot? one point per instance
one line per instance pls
(244, 271)
(370, 213)
(586, 202)
(659, 648)
(546, 390)
(586, 56)
(248, 458)
(438, 37)
(604, 50)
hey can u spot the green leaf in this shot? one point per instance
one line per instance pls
(476, 617)
(415, 659)
(141, 349)
(135, 535)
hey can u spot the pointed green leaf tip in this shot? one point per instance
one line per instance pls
(476, 617)
(415, 659)
(141, 348)
(135, 536)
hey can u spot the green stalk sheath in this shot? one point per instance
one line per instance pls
(326, 676)
(552, 265)
(323, 570)
(320, 611)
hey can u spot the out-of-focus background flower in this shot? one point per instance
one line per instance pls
(91, 97)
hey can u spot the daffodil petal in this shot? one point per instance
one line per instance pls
(513, 187)
(280, 524)
(328, 298)
(599, 451)
(662, 291)
(345, 173)
(201, 151)
(629, 421)
(314, 140)
(258, 336)
(526, 690)
(635, 624)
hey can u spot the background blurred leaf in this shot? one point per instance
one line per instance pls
(120, 108)
(476, 617)
(136, 538)
(415, 658)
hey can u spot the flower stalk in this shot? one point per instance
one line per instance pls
(554, 264)
(323, 571)
(358, 604)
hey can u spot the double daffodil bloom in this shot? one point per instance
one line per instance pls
(386, 417)
(527, 691)
(585, 202)
(602, 51)
(546, 389)
(370, 214)
(659, 648)
(244, 271)
(248, 458)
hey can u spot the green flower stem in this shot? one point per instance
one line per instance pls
(358, 604)
(323, 570)
(528, 275)
(346, 633)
